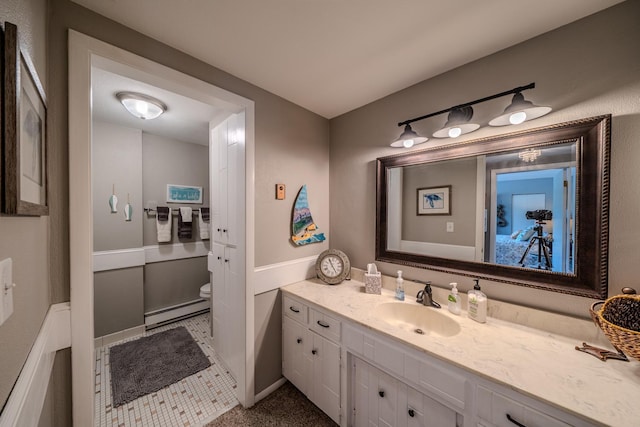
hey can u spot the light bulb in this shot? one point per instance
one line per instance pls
(517, 118)
(407, 143)
(455, 132)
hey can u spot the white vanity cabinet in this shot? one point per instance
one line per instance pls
(311, 354)
(500, 407)
(383, 401)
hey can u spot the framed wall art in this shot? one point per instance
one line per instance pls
(184, 194)
(24, 171)
(434, 200)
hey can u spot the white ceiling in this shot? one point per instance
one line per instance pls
(185, 120)
(332, 56)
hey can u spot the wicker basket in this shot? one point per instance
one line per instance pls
(619, 319)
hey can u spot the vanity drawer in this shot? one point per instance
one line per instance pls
(496, 409)
(295, 309)
(324, 325)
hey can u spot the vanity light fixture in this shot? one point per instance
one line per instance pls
(409, 138)
(529, 155)
(458, 122)
(520, 110)
(141, 106)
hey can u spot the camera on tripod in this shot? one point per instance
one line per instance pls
(539, 215)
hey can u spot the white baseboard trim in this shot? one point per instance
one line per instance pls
(116, 259)
(173, 312)
(136, 331)
(25, 402)
(159, 253)
(272, 276)
(267, 391)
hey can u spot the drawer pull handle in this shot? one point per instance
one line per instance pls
(299, 340)
(412, 413)
(381, 393)
(314, 351)
(295, 310)
(321, 323)
(514, 421)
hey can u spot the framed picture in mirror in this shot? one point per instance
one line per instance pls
(434, 200)
(24, 172)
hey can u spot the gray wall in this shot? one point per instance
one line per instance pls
(461, 176)
(584, 69)
(168, 161)
(117, 159)
(118, 300)
(173, 282)
(25, 240)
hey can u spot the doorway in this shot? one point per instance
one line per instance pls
(86, 53)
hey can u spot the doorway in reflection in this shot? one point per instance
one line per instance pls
(531, 225)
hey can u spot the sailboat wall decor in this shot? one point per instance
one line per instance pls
(304, 230)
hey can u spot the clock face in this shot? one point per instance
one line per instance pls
(333, 266)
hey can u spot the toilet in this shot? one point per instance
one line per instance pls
(205, 291)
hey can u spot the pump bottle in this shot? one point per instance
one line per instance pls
(477, 303)
(454, 299)
(400, 286)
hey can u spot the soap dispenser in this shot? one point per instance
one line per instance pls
(477, 303)
(454, 299)
(400, 286)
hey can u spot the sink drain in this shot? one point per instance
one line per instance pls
(419, 331)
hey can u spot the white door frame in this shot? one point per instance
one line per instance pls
(85, 51)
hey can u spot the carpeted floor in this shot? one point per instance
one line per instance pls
(284, 407)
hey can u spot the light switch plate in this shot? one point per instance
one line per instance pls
(449, 227)
(6, 289)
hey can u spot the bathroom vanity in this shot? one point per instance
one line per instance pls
(368, 360)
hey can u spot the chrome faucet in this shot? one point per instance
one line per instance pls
(425, 297)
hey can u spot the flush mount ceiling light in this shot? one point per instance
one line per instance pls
(520, 110)
(141, 106)
(409, 138)
(457, 123)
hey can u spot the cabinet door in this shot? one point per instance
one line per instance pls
(294, 336)
(375, 398)
(418, 410)
(495, 409)
(324, 391)
(218, 297)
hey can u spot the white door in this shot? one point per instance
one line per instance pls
(294, 336)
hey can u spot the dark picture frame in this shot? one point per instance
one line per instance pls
(23, 171)
(434, 200)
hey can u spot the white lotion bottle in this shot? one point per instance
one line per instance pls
(477, 304)
(400, 286)
(454, 299)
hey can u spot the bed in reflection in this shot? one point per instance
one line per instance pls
(510, 250)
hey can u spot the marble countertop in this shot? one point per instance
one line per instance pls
(540, 364)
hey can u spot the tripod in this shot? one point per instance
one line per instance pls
(542, 247)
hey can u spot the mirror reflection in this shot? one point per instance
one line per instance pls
(528, 208)
(514, 208)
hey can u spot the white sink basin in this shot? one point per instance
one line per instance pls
(417, 318)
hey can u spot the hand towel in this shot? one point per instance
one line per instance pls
(163, 227)
(203, 223)
(185, 222)
(163, 213)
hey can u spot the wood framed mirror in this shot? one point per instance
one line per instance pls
(529, 208)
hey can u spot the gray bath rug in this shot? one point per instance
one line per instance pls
(150, 363)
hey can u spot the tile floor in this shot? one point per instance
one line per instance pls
(189, 402)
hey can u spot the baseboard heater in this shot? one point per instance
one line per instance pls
(156, 318)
